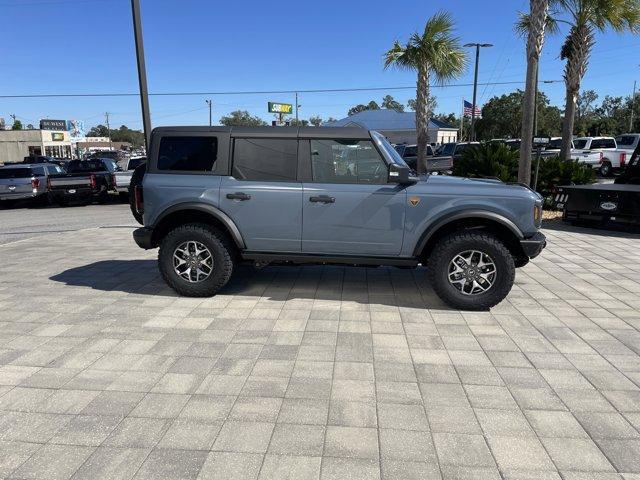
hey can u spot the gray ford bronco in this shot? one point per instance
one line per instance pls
(214, 197)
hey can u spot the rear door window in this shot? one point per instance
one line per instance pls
(189, 154)
(608, 143)
(265, 159)
(626, 141)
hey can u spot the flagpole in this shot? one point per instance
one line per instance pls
(461, 120)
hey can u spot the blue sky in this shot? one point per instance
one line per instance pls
(86, 46)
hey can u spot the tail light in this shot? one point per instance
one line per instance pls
(35, 183)
(623, 159)
(601, 157)
(49, 184)
(92, 181)
(139, 199)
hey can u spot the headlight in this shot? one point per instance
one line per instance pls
(537, 215)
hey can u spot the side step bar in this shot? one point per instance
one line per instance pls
(301, 258)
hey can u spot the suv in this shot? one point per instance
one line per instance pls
(212, 197)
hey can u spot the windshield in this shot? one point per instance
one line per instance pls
(390, 152)
(580, 143)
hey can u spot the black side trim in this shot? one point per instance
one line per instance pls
(533, 246)
(301, 258)
(211, 210)
(484, 214)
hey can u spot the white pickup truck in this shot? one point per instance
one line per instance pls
(627, 143)
(122, 179)
(599, 152)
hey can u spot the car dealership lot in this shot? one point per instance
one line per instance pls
(311, 372)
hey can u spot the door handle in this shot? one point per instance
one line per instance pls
(322, 199)
(238, 196)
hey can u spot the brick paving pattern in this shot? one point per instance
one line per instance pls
(316, 372)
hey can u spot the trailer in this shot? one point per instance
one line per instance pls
(605, 204)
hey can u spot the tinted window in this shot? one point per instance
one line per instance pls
(608, 143)
(346, 162)
(411, 152)
(580, 143)
(447, 149)
(265, 159)
(197, 154)
(135, 162)
(15, 173)
(625, 140)
(38, 170)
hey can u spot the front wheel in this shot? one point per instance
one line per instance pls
(195, 260)
(471, 271)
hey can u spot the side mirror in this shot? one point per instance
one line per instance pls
(401, 175)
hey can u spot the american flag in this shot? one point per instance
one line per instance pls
(468, 108)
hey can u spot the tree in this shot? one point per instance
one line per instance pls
(501, 117)
(585, 109)
(298, 123)
(372, 105)
(533, 25)
(585, 18)
(392, 104)
(17, 125)
(432, 103)
(316, 121)
(435, 53)
(242, 118)
(449, 118)
(331, 119)
(30, 126)
(98, 131)
(125, 134)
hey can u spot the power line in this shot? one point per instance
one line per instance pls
(257, 92)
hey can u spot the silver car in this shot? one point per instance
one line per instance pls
(26, 181)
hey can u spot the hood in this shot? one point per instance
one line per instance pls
(472, 186)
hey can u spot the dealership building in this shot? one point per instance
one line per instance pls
(17, 144)
(398, 127)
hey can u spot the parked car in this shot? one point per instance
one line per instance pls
(122, 178)
(409, 154)
(32, 159)
(85, 180)
(213, 197)
(598, 152)
(26, 182)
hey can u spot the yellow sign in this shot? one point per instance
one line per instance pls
(280, 107)
(57, 137)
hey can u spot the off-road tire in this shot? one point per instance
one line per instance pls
(605, 169)
(221, 250)
(451, 245)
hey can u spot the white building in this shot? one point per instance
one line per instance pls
(17, 144)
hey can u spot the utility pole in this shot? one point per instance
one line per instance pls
(208, 102)
(13, 116)
(633, 104)
(297, 108)
(142, 72)
(106, 116)
(472, 135)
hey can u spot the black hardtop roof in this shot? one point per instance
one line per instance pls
(273, 132)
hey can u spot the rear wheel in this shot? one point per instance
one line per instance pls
(471, 271)
(605, 169)
(196, 260)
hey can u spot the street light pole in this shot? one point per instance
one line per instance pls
(208, 102)
(472, 134)
(142, 72)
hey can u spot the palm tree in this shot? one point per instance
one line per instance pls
(586, 17)
(533, 26)
(436, 53)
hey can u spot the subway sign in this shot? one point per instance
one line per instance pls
(280, 107)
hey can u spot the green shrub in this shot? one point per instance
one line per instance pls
(493, 160)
